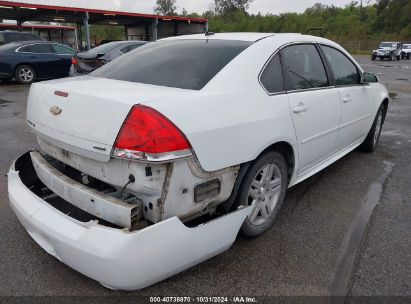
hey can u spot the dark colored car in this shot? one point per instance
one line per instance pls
(10, 36)
(34, 60)
(87, 62)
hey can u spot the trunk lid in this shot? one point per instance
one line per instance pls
(88, 62)
(84, 114)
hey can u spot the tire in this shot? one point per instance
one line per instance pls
(408, 56)
(25, 74)
(264, 184)
(373, 58)
(370, 142)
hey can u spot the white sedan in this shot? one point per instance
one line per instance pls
(154, 162)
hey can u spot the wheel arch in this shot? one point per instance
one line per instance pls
(287, 151)
(384, 104)
(282, 147)
(24, 63)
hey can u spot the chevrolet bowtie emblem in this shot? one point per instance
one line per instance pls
(55, 110)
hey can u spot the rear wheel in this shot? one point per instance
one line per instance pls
(25, 74)
(371, 141)
(264, 185)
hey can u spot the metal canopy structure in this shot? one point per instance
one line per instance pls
(58, 33)
(146, 26)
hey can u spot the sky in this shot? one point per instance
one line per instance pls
(146, 6)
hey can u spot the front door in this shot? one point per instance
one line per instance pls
(356, 105)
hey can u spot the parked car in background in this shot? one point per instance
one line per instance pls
(86, 62)
(389, 50)
(207, 127)
(29, 61)
(406, 50)
(11, 36)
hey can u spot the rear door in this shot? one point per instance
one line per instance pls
(314, 104)
(356, 105)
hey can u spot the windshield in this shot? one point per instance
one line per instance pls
(185, 64)
(388, 45)
(406, 46)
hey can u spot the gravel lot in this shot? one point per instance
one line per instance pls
(308, 250)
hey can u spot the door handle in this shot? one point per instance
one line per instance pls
(347, 100)
(300, 108)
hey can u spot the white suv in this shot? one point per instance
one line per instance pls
(154, 162)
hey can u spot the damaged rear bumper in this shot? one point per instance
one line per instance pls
(117, 258)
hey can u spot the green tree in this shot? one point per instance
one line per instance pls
(223, 7)
(165, 7)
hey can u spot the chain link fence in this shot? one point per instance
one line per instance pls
(359, 47)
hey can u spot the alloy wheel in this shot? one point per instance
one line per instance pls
(26, 74)
(264, 193)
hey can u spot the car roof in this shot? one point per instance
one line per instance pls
(242, 36)
(16, 44)
(224, 36)
(125, 42)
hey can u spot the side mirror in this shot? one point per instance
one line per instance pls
(368, 78)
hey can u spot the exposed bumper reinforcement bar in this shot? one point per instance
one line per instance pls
(116, 258)
(103, 206)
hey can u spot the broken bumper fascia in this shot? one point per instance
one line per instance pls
(116, 258)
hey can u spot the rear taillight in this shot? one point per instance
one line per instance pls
(74, 61)
(148, 135)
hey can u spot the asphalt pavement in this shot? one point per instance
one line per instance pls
(323, 238)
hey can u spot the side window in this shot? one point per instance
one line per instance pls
(304, 67)
(345, 72)
(125, 49)
(61, 49)
(25, 49)
(272, 76)
(41, 48)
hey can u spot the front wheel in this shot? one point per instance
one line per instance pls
(25, 74)
(264, 185)
(371, 141)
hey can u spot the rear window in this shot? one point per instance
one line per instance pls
(104, 48)
(185, 64)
